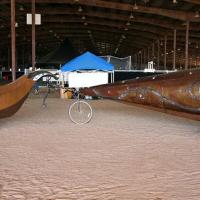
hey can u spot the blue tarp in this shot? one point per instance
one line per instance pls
(87, 61)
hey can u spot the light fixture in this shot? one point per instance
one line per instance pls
(16, 24)
(126, 29)
(80, 9)
(146, 1)
(135, 7)
(123, 36)
(128, 23)
(83, 17)
(197, 15)
(197, 46)
(85, 24)
(21, 8)
(175, 1)
(131, 16)
(50, 31)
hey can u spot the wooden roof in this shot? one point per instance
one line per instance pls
(102, 26)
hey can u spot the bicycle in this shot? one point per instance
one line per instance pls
(80, 112)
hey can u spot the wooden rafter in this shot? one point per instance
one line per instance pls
(193, 1)
(174, 14)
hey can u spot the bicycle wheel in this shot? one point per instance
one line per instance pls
(80, 112)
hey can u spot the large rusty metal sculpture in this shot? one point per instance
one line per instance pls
(177, 93)
(13, 95)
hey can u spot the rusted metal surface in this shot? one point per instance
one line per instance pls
(178, 91)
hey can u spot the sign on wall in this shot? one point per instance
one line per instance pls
(37, 19)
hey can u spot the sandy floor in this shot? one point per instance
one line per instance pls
(124, 153)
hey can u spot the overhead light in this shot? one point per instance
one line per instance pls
(123, 36)
(197, 46)
(50, 31)
(128, 23)
(83, 17)
(21, 8)
(131, 16)
(80, 9)
(76, 1)
(135, 7)
(16, 24)
(85, 24)
(146, 1)
(126, 29)
(175, 1)
(197, 15)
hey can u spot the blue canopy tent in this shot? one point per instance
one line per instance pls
(94, 71)
(87, 61)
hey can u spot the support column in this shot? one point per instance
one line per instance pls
(158, 56)
(33, 35)
(8, 58)
(187, 44)
(13, 40)
(145, 57)
(148, 54)
(165, 54)
(23, 55)
(153, 51)
(136, 60)
(174, 56)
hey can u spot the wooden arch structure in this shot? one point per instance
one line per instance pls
(166, 31)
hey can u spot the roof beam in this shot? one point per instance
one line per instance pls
(153, 21)
(192, 1)
(174, 14)
(155, 30)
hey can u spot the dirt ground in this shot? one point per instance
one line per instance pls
(124, 153)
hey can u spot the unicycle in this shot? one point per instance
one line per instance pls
(80, 112)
